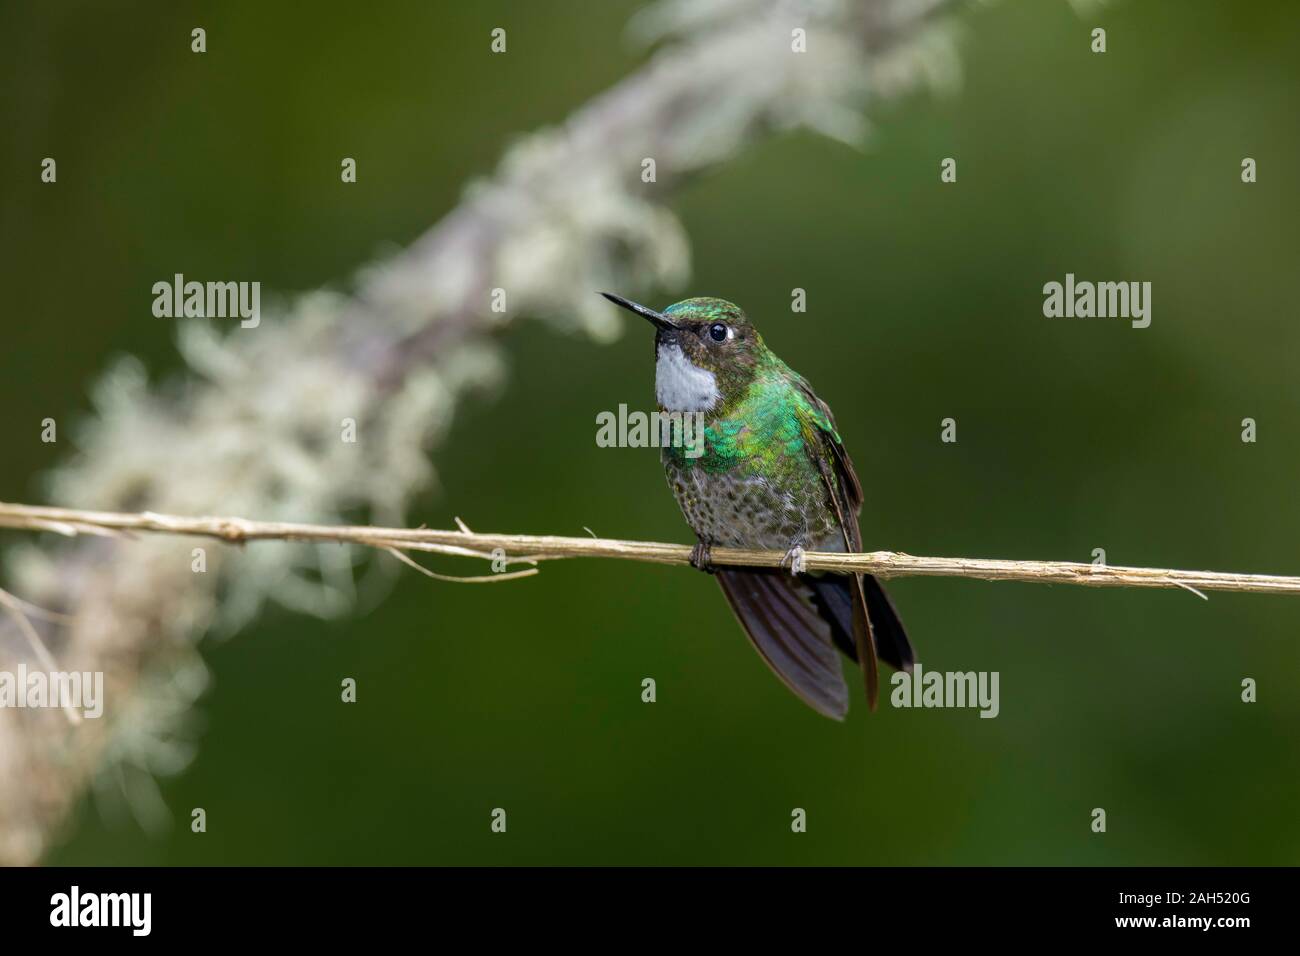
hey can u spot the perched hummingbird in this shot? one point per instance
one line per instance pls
(772, 475)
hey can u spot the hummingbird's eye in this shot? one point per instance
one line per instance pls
(718, 332)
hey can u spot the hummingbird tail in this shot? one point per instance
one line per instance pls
(783, 620)
(835, 599)
(796, 623)
(892, 644)
(864, 639)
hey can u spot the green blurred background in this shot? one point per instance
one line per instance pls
(924, 303)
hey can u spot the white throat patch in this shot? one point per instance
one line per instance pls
(681, 385)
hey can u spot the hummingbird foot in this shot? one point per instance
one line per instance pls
(700, 557)
(795, 561)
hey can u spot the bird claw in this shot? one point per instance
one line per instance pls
(700, 557)
(795, 561)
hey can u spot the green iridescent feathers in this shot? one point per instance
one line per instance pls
(767, 427)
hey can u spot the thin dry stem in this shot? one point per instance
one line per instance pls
(517, 548)
(457, 579)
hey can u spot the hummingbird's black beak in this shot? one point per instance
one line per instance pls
(658, 318)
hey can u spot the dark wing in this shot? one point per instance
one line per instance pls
(890, 637)
(842, 482)
(845, 493)
(835, 595)
(892, 644)
(782, 620)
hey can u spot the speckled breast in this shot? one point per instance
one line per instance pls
(739, 508)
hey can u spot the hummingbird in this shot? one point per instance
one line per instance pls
(773, 474)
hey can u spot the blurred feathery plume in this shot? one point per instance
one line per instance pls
(253, 427)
